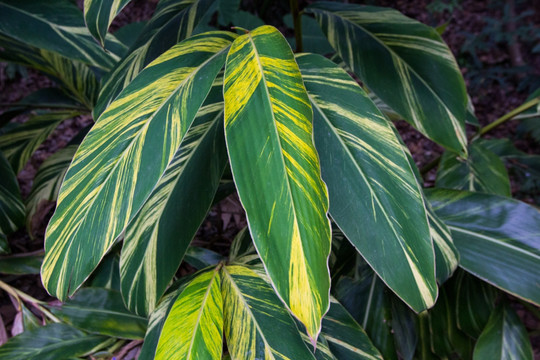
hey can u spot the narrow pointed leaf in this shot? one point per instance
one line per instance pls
(504, 337)
(156, 240)
(53, 25)
(4, 245)
(200, 257)
(124, 156)
(255, 320)
(404, 62)
(21, 264)
(375, 198)
(51, 342)
(11, 204)
(345, 338)
(498, 238)
(194, 325)
(19, 143)
(482, 171)
(99, 14)
(172, 22)
(446, 253)
(101, 311)
(269, 139)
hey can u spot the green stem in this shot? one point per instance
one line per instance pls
(297, 20)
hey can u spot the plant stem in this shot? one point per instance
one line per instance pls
(20, 295)
(297, 21)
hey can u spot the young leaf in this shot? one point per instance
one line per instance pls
(101, 311)
(11, 205)
(498, 238)
(276, 170)
(124, 156)
(194, 325)
(53, 25)
(404, 62)
(99, 14)
(375, 198)
(255, 320)
(482, 171)
(504, 337)
(51, 342)
(155, 240)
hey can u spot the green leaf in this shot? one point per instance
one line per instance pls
(405, 328)
(504, 337)
(404, 62)
(11, 205)
(375, 194)
(247, 20)
(200, 258)
(475, 301)
(173, 21)
(482, 171)
(51, 342)
(255, 320)
(155, 241)
(124, 156)
(313, 39)
(53, 25)
(345, 338)
(227, 11)
(498, 238)
(19, 143)
(99, 14)
(21, 264)
(4, 245)
(107, 274)
(101, 311)
(194, 325)
(269, 139)
(446, 254)
(47, 181)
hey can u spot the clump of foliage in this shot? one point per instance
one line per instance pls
(346, 254)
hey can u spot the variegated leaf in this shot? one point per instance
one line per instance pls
(482, 171)
(173, 21)
(256, 324)
(498, 238)
(375, 198)
(99, 14)
(124, 156)
(11, 204)
(404, 62)
(53, 25)
(47, 181)
(446, 254)
(276, 170)
(19, 143)
(156, 239)
(194, 325)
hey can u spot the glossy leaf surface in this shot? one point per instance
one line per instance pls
(498, 238)
(155, 240)
(124, 156)
(194, 325)
(51, 342)
(54, 25)
(482, 171)
(504, 337)
(99, 14)
(255, 320)
(375, 198)
(276, 170)
(406, 63)
(21, 265)
(446, 253)
(101, 311)
(11, 205)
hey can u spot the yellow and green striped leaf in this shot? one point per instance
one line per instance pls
(498, 238)
(256, 324)
(99, 14)
(194, 325)
(173, 21)
(18, 144)
(268, 127)
(11, 203)
(158, 237)
(53, 25)
(124, 156)
(375, 198)
(405, 63)
(482, 171)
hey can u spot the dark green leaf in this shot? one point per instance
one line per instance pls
(200, 258)
(99, 14)
(11, 205)
(21, 264)
(313, 39)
